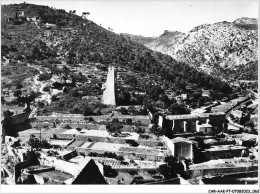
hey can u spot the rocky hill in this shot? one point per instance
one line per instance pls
(140, 39)
(47, 39)
(222, 49)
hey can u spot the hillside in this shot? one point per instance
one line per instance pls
(72, 48)
(222, 49)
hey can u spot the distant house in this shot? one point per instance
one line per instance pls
(237, 113)
(32, 19)
(205, 128)
(184, 96)
(223, 151)
(49, 26)
(189, 123)
(179, 147)
(182, 148)
(20, 13)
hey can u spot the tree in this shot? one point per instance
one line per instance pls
(2, 100)
(67, 127)
(129, 121)
(34, 142)
(139, 130)
(115, 120)
(114, 128)
(46, 89)
(87, 111)
(131, 110)
(170, 169)
(123, 111)
(171, 161)
(156, 130)
(120, 158)
(40, 104)
(179, 109)
(8, 113)
(78, 129)
(167, 131)
(17, 93)
(85, 14)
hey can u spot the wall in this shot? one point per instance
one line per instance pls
(183, 149)
(212, 155)
(129, 155)
(169, 144)
(206, 130)
(144, 119)
(60, 165)
(149, 143)
(220, 171)
(174, 181)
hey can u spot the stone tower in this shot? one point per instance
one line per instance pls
(109, 94)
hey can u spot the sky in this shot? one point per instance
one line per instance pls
(153, 17)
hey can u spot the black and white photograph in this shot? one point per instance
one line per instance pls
(129, 92)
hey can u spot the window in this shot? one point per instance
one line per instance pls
(205, 129)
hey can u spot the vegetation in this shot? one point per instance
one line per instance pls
(156, 130)
(150, 72)
(44, 77)
(36, 143)
(7, 113)
(114, 128)
(16, 73)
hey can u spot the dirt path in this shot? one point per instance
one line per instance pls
(38, 86)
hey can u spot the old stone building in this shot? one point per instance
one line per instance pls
(191, 123)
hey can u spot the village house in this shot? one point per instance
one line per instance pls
(192, 123)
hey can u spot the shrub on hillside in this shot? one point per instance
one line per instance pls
(67, 127)
(139, 130)
(8, 113)
(46, 89)
(123, 111)
(114, 128)
(44, 77)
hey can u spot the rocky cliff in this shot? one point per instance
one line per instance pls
(222, 49)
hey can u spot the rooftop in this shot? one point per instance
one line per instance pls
(181, 139)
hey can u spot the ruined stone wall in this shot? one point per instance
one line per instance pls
(129, 155)
(109, 96)
(220, 171)
(83, 120)
(149, 143)
(222, 154)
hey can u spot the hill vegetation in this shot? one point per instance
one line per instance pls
(59, 37)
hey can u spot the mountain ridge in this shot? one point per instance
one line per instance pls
(213, 47)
